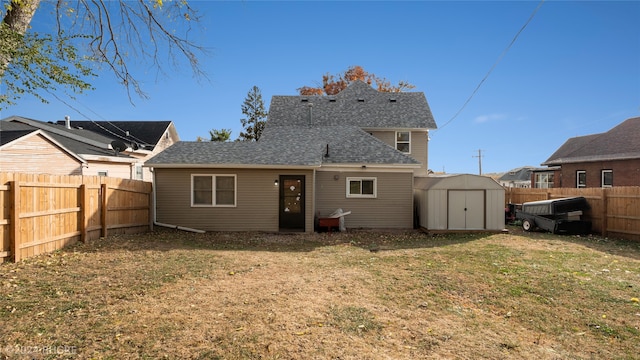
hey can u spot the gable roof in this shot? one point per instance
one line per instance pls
(518, 174)
(287, 147)
(78, 141)
(358, 105)
(619, 143)
(8, 137)
(12, 135)
(146, 133)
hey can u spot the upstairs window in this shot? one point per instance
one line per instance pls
(213, 190)
(403, 141)
(581, 179)
(361, 187)
(607, 178)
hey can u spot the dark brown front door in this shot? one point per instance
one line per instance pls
(292, 202)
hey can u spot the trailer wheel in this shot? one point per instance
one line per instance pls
(527, 225)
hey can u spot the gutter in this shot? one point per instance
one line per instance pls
(171, 226)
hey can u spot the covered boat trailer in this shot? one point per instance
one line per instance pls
(559, 216)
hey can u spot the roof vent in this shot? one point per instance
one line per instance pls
(332, 100)
(392, 100)
(304, 100)
(360, 99)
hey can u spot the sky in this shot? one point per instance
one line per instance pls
(504, 95)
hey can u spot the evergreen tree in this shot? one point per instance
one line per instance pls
(221, 135)
(256, 116)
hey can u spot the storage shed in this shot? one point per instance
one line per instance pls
(459, 202)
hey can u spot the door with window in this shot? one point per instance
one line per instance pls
(292, 203)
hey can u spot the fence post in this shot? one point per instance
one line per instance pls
(103, 212)
(84, 212)
(605, 219)
(152, 209)
(14, 225)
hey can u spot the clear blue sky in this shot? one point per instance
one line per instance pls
(573, 71)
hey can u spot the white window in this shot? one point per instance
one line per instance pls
(360, 187)
(607, 178)
(581, 179)
(213, 190)
(138, 171)
(403, 141)
(544, 180)
(103, 173)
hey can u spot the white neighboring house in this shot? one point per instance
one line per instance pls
(517, 178)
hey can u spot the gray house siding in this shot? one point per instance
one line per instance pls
(419, 145)
(392, 208)
(257, 200)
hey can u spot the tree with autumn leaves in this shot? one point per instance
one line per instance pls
(333, 84)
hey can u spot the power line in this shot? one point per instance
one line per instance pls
(504, 52)
(127, 137)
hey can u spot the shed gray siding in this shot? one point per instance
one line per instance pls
(256, 202)
(433, 196)
(392, 208)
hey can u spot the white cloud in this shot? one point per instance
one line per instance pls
(491, 117)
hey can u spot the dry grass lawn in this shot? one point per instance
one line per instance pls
(178, 295)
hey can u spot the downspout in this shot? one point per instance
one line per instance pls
(155, 212)
(313, 189)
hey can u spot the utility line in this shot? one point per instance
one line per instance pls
(96, 123)
(494, 66)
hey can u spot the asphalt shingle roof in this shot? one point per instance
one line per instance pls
(79, 141)
(359, 105)
(287, 146)
(621, 142)
(142, 132)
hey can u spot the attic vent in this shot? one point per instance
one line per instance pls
(360, 99)
(392, 100)
(304, 100)
(332, 100)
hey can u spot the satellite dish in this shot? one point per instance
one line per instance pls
(118, 146)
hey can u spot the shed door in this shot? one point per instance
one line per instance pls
(466, 210)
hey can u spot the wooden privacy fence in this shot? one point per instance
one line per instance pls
(41, 213)
(614, 211)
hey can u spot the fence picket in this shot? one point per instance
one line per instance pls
(41, 213)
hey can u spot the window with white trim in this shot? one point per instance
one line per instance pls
(213, 190)
(138, 171)
(103, 173)
(362, 187)
(544, 180)
(607, 178)
(581, 179)
(403, 141)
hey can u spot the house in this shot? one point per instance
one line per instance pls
(517, 178)
(358, 150)
(607, 159)
(68, 148)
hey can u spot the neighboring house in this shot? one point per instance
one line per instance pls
(546, 178)
(358, 151)
(608, 159)
(30, 150)
(517, 178)
(93, 148)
